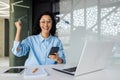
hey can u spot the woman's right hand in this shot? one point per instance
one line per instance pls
(18, 25)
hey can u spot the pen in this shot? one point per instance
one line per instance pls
(34, 70)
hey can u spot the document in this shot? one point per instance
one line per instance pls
(35, 72)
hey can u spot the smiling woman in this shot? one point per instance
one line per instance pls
(38, 46)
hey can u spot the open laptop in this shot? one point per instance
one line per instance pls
(93, 58)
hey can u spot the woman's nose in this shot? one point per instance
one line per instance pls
(46, 23)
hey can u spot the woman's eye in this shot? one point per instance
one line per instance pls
(49, 21)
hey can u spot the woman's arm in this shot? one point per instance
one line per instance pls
(19, 49)
(18, 32)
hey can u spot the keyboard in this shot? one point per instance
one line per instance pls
(73, 69)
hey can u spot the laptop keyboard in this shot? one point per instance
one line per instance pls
(73, 69)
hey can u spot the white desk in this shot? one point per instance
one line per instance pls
(111, 73)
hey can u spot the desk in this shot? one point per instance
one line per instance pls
(111, 73)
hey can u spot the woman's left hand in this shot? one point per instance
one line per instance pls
(56, 58)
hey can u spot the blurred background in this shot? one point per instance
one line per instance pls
(77, 20)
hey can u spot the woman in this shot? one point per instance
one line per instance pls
(39, 45)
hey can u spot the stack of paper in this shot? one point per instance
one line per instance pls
(35, 72)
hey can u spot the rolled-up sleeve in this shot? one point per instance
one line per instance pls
(20, 48)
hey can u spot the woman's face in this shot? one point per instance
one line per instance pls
(45, 24)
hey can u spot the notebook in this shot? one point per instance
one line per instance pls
(33, 72)
(93, 58)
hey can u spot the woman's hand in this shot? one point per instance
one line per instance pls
(18, 25)
(56, 58)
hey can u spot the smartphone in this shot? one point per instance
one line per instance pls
(53, 50)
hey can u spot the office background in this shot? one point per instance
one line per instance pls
(77, 20)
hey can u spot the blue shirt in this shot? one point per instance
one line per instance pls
(38, 48)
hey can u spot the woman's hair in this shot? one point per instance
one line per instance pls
(37, 29)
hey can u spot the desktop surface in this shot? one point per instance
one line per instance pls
(110, 73)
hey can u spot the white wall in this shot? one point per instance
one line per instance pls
(1, 37)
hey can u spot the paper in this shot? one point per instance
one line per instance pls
(35, 72)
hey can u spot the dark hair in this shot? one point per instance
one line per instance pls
(37, 29)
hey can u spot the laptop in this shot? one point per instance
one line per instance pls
(93, 58)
